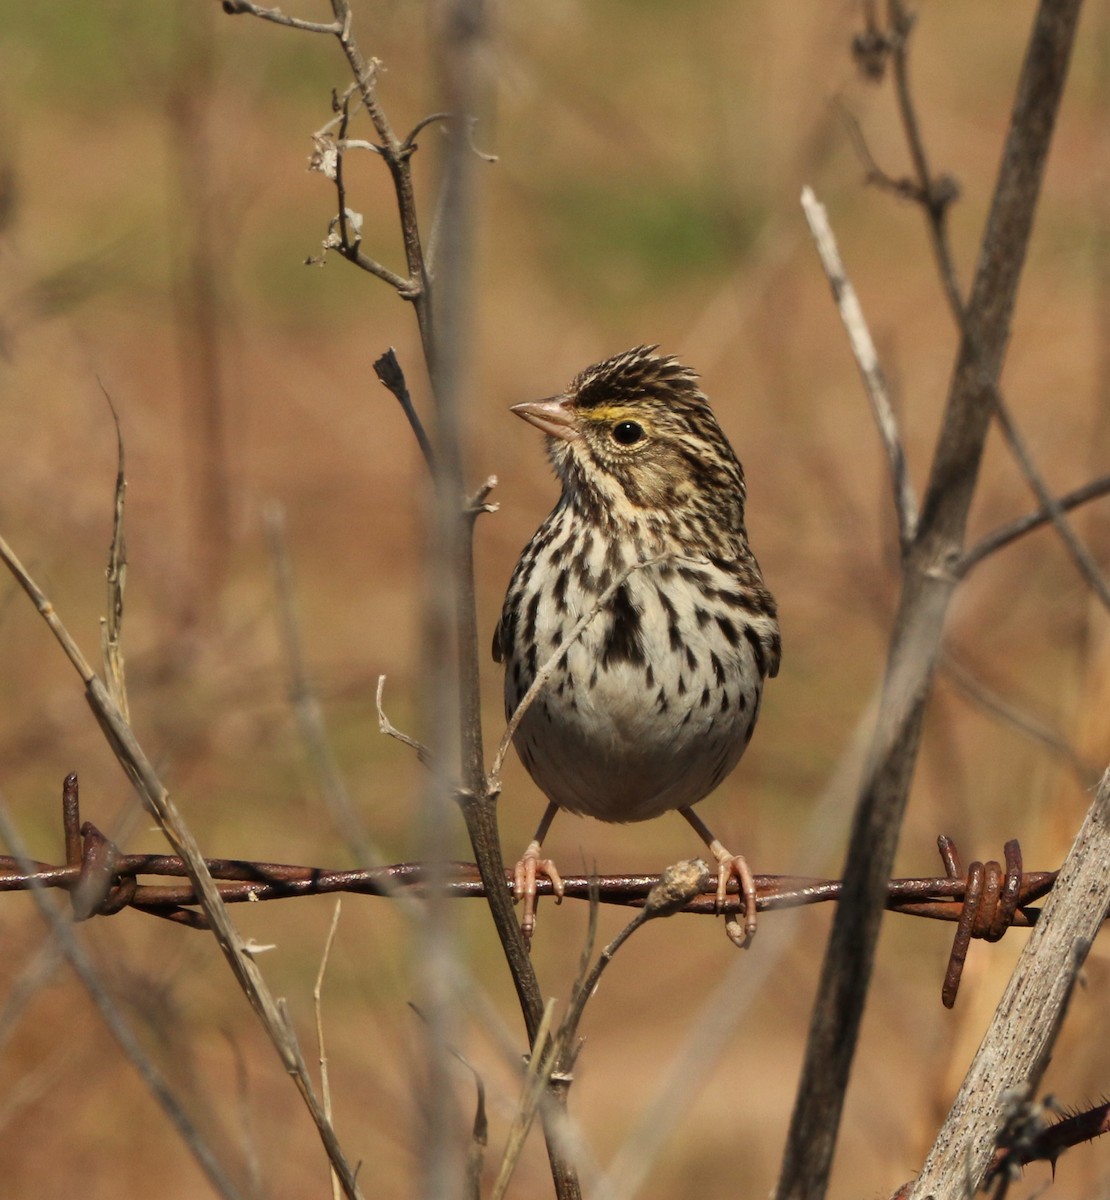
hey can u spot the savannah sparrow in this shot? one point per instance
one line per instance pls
(642, 610)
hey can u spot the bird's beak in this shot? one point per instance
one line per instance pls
(555, 416)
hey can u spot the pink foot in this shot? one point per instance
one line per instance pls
(524, 885)
(735, 866)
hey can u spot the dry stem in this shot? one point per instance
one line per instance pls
(928, 585)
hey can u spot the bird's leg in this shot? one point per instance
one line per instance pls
(526, 870)
(729, 865)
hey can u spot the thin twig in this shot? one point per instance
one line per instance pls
(677, 886)
(306, 707)
(541, 1063)
(348, 222)
(1017, 528)
(867, 359)
(479, 503)
(1024, 722)
(236, 7)
(111, 1014)
(397, 158)
(479, 1131)
(157, 801)
(390, 730)
(706, 1035)
(1081, 556)
(935, 197)
(395, 153)
(46, 611)
(927, 593)
(322, 1054)
(111, 626)
(934, 194)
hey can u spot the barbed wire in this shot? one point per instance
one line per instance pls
(984, 901)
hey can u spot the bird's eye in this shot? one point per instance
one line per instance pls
(627, 432)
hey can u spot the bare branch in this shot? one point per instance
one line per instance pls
(120, 1031)
(1018, 1044)
(1026, 724)
(111, 627)
(1080, 555)
(390, 730)
(677, 886)
(237, 7)
(395, 152)
(1017, 528)
(409, 144)
(480, 503)
(322, 1054)
(867, 359)
(541, 1064)
(157, 801)
(934, 195)
(928, 586)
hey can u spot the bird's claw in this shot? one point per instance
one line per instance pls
(735, 866)
(525, 872)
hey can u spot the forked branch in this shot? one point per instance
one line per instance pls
(928, 586)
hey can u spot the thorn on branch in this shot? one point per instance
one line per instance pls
(387, 367)
(409, 146)
(1021, 1138)
(479, 502)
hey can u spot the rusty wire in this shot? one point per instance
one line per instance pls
(984, 901)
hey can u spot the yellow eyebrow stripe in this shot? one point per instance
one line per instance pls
(604, 413)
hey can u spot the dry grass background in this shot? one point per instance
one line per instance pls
(650, 160)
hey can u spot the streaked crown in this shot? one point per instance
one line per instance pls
(638, 375)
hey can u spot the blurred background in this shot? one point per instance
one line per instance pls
(155, 217)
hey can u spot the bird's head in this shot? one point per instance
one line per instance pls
(634, 437)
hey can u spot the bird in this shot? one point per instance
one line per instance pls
(636, 631)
